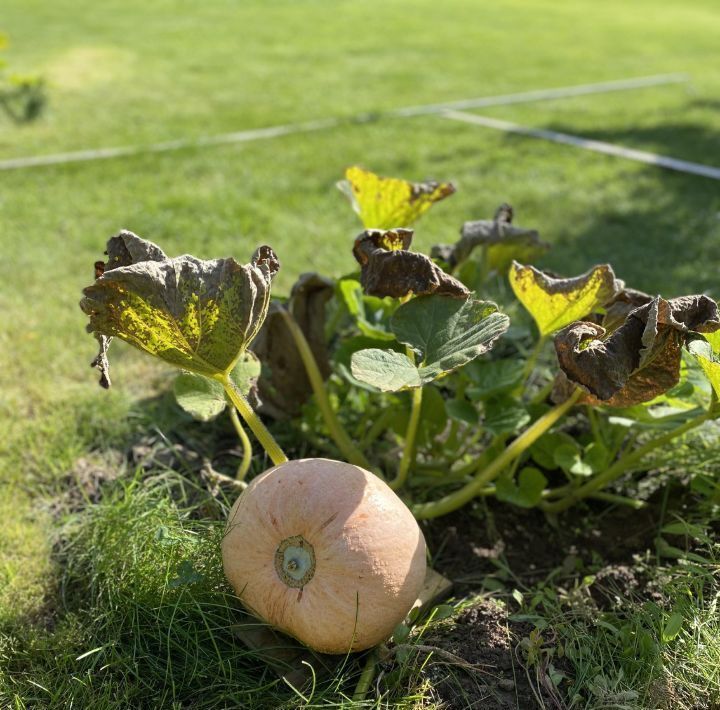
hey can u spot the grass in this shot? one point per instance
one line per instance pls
(629, 655)
(127, 73)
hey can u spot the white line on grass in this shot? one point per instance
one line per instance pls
(275, 131)
(545, 94)
(641, 156)
(81, 156)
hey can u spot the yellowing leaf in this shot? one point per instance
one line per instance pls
(714, 340)
(499, 240)
(705, 357)
(556, 302)
(197, 315)
(385, 203)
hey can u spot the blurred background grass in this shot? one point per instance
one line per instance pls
(131, 72)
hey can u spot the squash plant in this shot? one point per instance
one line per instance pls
(408, 368)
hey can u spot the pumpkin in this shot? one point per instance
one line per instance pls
(326, 552)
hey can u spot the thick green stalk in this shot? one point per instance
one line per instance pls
(619, 500)
(244, 466)
(464, 495)
(337, 432)
(621, 466)
(366, 678)
(276, 454)
(408, 454)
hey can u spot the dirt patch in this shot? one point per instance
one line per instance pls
(494, 678)
(468, 544)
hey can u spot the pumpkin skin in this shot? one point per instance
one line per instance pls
(326, 552)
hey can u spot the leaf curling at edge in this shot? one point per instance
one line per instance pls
(503, 240)
(556, 302)
(283, 385)
(124, 249)
(625, 301)
(196, 315)
(388, 203)
(388, 268)
(638, 361)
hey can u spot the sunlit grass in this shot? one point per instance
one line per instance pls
(130, 73)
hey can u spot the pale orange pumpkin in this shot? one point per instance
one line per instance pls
(326, 552)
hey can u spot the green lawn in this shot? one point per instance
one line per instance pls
(122, 73)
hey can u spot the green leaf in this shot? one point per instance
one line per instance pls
(387, 370)
(370, 313)
(199, 396)
(433, 417)
(527, 493)
(596, 456)
(204, 398)
(462, 411)
(555, 302)
(672, 627)
(490, 377)
(401, 633)
(568, 457)
(344, 352)
(505, 415)
(683, 528)
(193, 314)
(246, 372)
(186, 576)
(446, 332)
(442, 611)
(543, 450)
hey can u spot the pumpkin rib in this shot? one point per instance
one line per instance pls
(369, 553)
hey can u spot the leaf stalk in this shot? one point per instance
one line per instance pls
(621, 466)
(266, 439)
(244, 466)
(337, 432)
(487, 474)
(408, 454)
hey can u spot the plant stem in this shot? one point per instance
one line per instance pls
(532, 359)
(244, 466)
(541, 395)
(594, 425)
(619, 500)
(363, 685)
(408, 454)
(455, 500)
(276, 454)
(378, 427)
(622, 465)
(337, 432)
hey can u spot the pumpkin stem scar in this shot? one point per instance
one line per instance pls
(295, 562)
